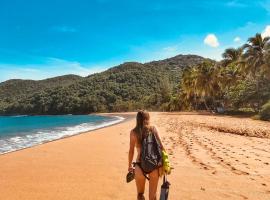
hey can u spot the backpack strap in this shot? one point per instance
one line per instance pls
(157, 137)
(146, 176)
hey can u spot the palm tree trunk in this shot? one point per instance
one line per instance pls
(258, 93)
(205, 104)
(196, 103)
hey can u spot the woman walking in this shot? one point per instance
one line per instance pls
(139, 138)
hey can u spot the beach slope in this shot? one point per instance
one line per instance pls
(212, 156)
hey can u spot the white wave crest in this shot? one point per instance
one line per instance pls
(20, 142)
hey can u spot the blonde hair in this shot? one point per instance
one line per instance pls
(142, 124)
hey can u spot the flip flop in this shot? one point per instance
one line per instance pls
(130, 176)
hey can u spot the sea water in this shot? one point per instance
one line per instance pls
(22, 131)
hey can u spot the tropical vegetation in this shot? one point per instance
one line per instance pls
(240, 82)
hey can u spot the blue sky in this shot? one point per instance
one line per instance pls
(46, 38)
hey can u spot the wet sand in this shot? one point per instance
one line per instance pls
(213, 158)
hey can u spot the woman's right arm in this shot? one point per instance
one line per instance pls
(131, 150)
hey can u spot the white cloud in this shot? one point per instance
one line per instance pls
(235, 3)
(50, 68)
(237, 39)
(169, 51)
(64, 29)
(211, 40)
(266, 32)
(170, 48)
(266, 5)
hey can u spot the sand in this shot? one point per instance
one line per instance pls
(213, 158)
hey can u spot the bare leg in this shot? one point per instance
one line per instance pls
(140, 182)
(153, 183)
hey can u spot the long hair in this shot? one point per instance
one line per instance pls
(142, 124)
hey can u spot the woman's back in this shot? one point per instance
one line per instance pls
(138, 142)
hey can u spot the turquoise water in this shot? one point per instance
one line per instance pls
(18, 132)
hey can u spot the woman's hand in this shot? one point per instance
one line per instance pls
(130, 169)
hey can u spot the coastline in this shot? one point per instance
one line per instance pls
(124, 116)
(68, 168)
(207, 163)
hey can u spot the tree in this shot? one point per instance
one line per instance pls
(188, 85)
(206, 83)
(231, 55)
(256, 55)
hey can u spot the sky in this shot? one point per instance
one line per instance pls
(46, 38)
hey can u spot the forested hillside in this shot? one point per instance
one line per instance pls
(129, 86)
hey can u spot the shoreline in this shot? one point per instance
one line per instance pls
(207, 163)
(126, 118)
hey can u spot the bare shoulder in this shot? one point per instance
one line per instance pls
(154, 127)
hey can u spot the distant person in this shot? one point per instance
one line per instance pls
(143, 136)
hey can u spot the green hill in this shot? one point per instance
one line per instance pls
(129, 86)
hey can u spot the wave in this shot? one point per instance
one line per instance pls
(42, 136)
(15, 116)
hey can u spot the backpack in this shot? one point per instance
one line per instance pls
(151, 153)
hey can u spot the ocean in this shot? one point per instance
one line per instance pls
(22, 131)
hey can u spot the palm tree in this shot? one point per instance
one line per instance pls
(228, 72)
(255, 54)
(188, 85)
(231, 55)
(206, 81)
(256, 58)
(267, 59)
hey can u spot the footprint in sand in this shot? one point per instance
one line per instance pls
(203, 189)
(214, 172)
(244, 197)
(205, 168)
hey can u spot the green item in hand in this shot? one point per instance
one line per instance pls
(166, 162)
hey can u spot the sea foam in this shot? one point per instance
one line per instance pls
(42, 136)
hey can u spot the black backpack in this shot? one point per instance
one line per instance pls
(151, 153)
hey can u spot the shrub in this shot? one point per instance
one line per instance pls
(265, 112)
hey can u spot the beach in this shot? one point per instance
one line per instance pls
(213, 156)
